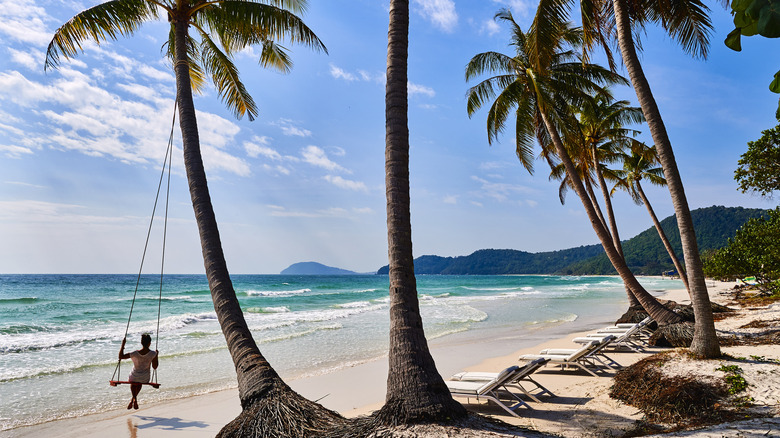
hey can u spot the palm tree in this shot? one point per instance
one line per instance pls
(415, 390)
(688, 23)
(541, 89)
(270, 407)
(598, 139)
(641, 164)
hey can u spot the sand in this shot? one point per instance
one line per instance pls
(581, 406)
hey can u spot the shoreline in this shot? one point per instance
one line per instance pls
(204, 415)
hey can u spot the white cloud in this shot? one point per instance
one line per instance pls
(13, 151)
(499, 191)
(317, 157)
(337, 151)
(22, 21)
(32, 60)
(361, 75)
(519, 8)
(420, 89)
(259, 146)
(450, 199)
(490, 27)
(338, 73)
(142, 91)
(332, 212)
(288, 128)
(346, 184)
(24, 184)
(439, 12)
(158, 75)
(81, 115)
(278, 168)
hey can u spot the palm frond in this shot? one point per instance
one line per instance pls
(243, 23)
(686, 21)
(100, 23)
(225, 76)
(489, 62)
(485, 91)
(276, 57)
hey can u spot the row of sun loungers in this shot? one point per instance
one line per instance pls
(590, 357)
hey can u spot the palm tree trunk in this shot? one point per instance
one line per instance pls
(632, 301)
(415, 390)
(705, 339)
(664, 239)
(608, 206)
(257, 380)
(659, 313)
(595, 202)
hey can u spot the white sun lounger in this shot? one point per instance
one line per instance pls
(583, 358)
(596, 355)
(489, 390)
(522, 375)
(632, 336)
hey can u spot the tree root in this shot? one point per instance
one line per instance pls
(282, 413)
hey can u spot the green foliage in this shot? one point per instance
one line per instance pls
(759, 167)
(734, 378)
(646, 255)
(645, 252)
(752, 252)
(755, 17)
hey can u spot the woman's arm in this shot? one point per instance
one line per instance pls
(122, 354)
(154, 361)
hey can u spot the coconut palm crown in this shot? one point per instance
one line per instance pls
(221, 29)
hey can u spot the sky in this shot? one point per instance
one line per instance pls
(81, 147)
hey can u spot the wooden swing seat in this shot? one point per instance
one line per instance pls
(125, 382)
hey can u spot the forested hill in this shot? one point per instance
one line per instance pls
(645, 252)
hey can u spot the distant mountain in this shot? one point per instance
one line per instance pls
(314, 268)
(645, 252)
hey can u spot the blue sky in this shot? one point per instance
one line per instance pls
(81, 147)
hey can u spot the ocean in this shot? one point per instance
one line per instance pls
(60, 334)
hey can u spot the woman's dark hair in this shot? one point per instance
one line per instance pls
(146, 340)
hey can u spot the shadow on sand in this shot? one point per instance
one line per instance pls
(167, 423)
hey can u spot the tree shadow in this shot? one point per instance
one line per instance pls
(174, 423)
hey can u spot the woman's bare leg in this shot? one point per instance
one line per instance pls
(134, 389)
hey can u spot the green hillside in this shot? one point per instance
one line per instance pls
(645, 253)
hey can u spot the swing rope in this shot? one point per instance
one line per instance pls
(166, 162)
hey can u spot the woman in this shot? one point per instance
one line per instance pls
(142, 360)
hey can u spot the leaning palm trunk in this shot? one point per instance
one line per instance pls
(658, 312)
(415, 390)
(261, 390)
(608, 207)
(663, 237)
(633, 303)
(705, 340)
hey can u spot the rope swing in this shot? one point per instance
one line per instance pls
(166, 163)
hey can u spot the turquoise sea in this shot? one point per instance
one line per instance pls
(59, 334)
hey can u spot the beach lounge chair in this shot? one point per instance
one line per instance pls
(631, 337)
(585, 358)
(617, 329)
(597, 355)
(489, 390)
(522, 375)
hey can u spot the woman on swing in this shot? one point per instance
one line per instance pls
(142, 360)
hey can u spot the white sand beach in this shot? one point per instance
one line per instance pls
(581, 408)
